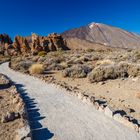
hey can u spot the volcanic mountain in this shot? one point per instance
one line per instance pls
(102, 34)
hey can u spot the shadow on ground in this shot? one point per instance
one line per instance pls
(4, 86)
(38, 132)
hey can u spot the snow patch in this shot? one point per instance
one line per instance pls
(93, 25)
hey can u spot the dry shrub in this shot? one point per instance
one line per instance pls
(57, 53)
(64, 65)
(138, 95)
(105, 72)
(24, 64)
(42, 53)
(105, 62)
(134, 70)
(77, 71)
(4, 58)
(36, 69)
(102, 73)
(137, 54)
(120, 70)
(90, 50)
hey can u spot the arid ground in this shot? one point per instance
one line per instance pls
(110, 75)
(62, 116)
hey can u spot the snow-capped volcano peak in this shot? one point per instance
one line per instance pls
(105, 34)
(93, 24)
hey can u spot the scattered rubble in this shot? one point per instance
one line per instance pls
(13, 114)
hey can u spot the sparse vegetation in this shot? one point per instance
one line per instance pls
(42, 53)
(101, 73)
(36, 69)
(25, 64)
(104, 62)
(77, 71)
(64, 65)
(113, 71)
(104, 65)
(4, 58)
(93, 72)
(137, 54)
(90, 50)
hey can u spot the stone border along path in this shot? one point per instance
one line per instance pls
(24, 133)
(66, 117)
(100, 105)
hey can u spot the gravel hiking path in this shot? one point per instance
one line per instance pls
(53, 114)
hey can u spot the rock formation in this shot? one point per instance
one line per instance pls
(31, 44)
(52, 42)
(55, 42)
(21, 45)
(5, 40)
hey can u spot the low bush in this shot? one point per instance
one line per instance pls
(137, 54)
(41, 59)
(96, 57)
(105, 62)
(36, 69)
(42, 53)
(55, 64)
(57, 53)
(121, 70)
(25, 64)
(35, 58)
(76, 71)
(134, 70)
(90, 50)
(101, 73)
(4, 58)
(22, 65)
(64, 65)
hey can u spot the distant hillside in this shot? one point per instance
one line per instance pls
(75, 43)
(105, 35)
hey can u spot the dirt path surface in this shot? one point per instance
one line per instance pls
(55, 115)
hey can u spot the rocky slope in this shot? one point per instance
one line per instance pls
(76, 43)
(104, 34)
(31, 44)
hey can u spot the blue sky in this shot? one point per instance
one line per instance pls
(45, 16)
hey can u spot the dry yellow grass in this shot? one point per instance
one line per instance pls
(36, 69)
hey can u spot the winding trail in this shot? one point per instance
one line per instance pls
(55, 115)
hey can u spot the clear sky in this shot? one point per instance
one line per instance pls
(45, 16)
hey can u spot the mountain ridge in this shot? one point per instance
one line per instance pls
(104, 34)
